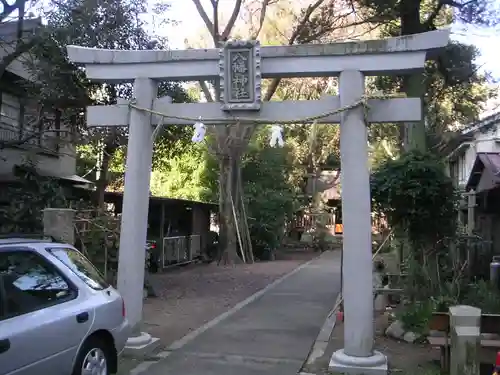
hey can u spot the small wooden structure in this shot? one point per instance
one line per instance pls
(171, 217)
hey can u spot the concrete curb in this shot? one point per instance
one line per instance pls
(321, 342)
(144, 366)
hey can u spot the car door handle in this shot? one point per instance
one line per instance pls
(4, 345)
(82, 317)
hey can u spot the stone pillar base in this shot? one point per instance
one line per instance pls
(142, 345)
(376, 364)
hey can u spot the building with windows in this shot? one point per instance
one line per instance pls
(474, 166)
(28, 132)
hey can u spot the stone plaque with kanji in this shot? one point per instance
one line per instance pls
(240, 76)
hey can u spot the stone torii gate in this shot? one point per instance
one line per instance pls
(240, 66)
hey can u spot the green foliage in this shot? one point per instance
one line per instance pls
(270, 198)
(416, 317)
(481, 294)
(484, 296)
(27, 198)
(191, 174)
(320, 233)
(98, 236)
(443, 276)
(455, 90)
(104, 24)
(416, 195)
(436, 276)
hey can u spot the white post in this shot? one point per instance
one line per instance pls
(134, 222)
(358, 355)
(465, 338)
(471, 207)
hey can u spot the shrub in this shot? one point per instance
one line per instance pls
(417, 196)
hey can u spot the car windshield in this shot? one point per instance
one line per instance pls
(81, 266)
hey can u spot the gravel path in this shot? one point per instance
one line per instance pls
(193, 295)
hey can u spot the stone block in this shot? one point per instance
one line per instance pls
(395, 330)
(465, 336)
(141, 345)
(465, 316)
(342, 363)
(60, 224)
(410, 337)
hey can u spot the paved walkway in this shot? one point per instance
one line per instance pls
(273, 334)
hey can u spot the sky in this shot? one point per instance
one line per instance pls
(189, 23)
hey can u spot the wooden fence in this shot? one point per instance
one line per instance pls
(181, 249)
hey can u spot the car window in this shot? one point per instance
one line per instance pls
(81, 266)
(29, 282)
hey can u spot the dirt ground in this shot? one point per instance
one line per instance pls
(193, 295)
(404, 358)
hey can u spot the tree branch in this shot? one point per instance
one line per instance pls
(432, 17)
(215, 5)
(32, 135)
(213, 29)
(22, 47)
(442, 3)
(263, 10)
(7, 8)
(229, 27)
(307, 14)
(206, 91)
(203, 15)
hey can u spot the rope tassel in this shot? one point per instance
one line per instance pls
(199, 131)
(276, 136)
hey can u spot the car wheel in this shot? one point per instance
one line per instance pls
(94, 358)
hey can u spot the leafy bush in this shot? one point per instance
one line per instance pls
(270, 198)
(416, 317)
(27, 198)
(484, 296)
(415, 194)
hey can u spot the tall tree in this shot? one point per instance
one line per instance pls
(107, 24)
(310, 17)
(452, 87)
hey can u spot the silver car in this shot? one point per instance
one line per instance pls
(58, 316)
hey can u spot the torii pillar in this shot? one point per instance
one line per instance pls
(350, 61)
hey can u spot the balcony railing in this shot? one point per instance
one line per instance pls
(11, 135)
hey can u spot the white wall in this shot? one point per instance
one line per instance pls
(483, 142)
(60, 163)
(63, 165)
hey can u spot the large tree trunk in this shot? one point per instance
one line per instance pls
(102, 177)
(228, 192)
(413, 135)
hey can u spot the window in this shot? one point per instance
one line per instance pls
(31, 123)
(463, 170)
(25, 120)
(10, 116)
(454, 170)
(30, 283)
(81, 266)
(50, 127)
